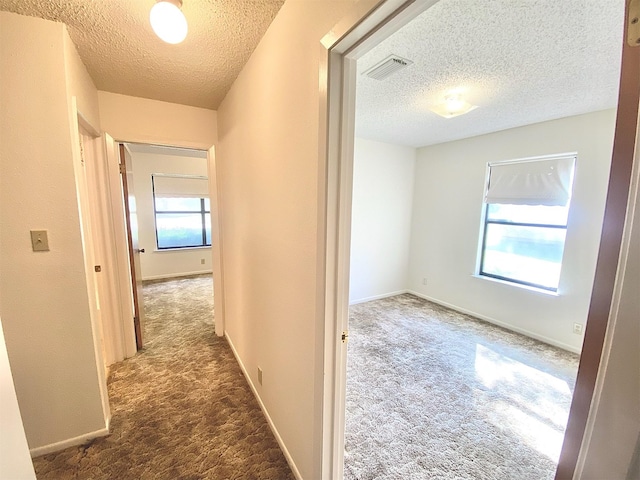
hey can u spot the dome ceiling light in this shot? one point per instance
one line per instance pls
(453, 106)
(168, 21)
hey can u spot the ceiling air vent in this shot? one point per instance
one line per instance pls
(386, 67)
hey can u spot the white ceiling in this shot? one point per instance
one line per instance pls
(520, 61)
(123, 55)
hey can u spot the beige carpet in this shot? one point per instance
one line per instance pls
(434, 394)
(181, 408)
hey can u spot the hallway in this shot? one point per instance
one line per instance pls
(181, 408)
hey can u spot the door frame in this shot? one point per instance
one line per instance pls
(105, 274)
(122, 240)
(340, 48)
(89, 230)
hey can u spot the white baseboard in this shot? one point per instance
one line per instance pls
(378, 297)
(285, 451)
(71, 442)
(177, 275)
(508, 326)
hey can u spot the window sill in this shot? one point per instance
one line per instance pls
(181, 249)
(517, 285)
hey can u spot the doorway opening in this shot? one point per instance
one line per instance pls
(168, 217)
(342, 81)
(118, 255)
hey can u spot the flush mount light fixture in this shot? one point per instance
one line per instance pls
(452, 106)
(168, 21)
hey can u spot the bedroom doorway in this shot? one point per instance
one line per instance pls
(390, 17)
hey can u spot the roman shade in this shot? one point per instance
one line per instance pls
(174, 186)
(531, 182)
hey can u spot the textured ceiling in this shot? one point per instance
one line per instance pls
(123, 55)
(520, 61)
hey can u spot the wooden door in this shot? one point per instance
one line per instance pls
(126, 172)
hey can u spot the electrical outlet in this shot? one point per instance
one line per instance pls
(260, 375)
(424, 281)
(577, 328)
(202, 261)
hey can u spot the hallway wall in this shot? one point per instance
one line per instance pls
(140, 120)
(44, 298)
(269, 167)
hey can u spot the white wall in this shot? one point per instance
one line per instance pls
(15, 461)
(168, 263)
(134, 119)
(269, 167)
(381, 219)
(45, 302)
(449, 187)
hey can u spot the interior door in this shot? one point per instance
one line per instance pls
(126, 172)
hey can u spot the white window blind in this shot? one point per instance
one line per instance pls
(531, 182)
(165, 186)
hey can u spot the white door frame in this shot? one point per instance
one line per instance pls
(115, 188)
(370, 23)
(355, 35)
(125, 341)
(88, 229)
(216, 241)
(111, 305)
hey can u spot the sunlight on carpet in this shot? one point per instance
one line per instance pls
(432, 393)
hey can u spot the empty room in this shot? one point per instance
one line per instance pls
(481, 166)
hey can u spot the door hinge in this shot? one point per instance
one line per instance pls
(123, 168)
(633, 23)
(345, 336)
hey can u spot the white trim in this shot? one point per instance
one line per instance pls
(177, 275)
(283, 447)
(126, 330)
(86, 124)
(217, 261)
(88, 231)
(71, 442)
(368, 24)
(378, 297)
(508, 326)
(522, 286)
(180, 249)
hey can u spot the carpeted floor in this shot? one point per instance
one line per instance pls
(181, 409)
(434, 394)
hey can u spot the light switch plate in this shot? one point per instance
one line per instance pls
(39, 240)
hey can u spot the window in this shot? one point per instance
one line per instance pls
(182, 211)
(526, 211)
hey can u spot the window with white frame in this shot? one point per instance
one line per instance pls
(525, 221)
(182, 211)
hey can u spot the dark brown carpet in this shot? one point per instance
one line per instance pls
(181, 408)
